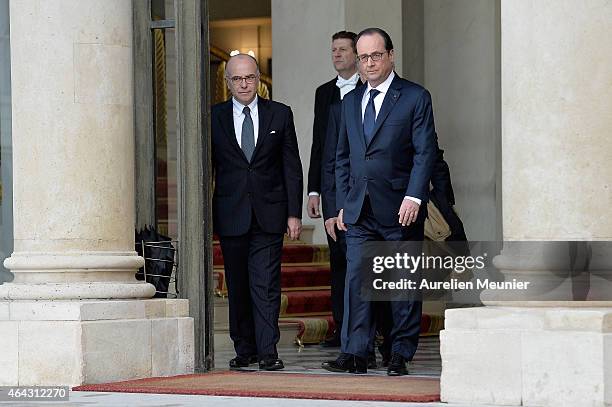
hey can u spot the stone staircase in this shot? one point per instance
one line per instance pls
(305, 303)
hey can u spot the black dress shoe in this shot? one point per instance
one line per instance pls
(271, 364)
(241, 361)
(346, 363)
(397, 365)
(385, 351)
(385, 360)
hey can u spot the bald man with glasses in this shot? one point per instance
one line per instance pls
(257, 198)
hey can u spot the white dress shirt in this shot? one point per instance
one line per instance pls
(239, 119)
(383, 88)
(346, 85)
(378, 101)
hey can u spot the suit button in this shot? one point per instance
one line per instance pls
(368, 157)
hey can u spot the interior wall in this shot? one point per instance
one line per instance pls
(385, 14)
(252, 34)
(413, 41)
(302, 61)
(461, 70)
(224, 10)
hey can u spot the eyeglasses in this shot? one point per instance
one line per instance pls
(237, 80)
(376, 56)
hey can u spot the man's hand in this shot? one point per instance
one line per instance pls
(408, 212)
(340, 222)
(312, 207)
(294, 228)
(330, 227)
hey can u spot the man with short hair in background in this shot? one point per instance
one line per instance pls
(344, 59)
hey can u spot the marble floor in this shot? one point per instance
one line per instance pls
(308, 359)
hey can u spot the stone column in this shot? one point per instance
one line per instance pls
(557, 176)
(73, 152)
(73, 168)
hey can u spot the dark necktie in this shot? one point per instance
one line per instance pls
(369, 118)
(248, 134)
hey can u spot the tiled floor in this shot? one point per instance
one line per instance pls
(308, 359)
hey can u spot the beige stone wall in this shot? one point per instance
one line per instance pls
(557, 118)
(461, 72)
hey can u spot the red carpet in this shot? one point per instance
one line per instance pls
(284, 385)
(292, 253)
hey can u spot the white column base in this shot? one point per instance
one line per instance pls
(84, 342)
(527, 356)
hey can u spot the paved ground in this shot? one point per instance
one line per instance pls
(89, 399)
(302, 360)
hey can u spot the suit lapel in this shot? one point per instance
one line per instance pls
(393, 94)
(265, 118)
(334, 94)
(227, 122)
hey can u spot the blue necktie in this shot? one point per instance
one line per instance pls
(248, 134)
(369, 118)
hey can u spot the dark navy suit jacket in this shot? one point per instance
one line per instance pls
(398, 161)
(270, 186)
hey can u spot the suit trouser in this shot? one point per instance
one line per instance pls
(358, 327)
(337, 262)
(252, 270)
(381, 309)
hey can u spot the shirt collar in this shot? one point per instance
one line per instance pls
(383, 87)
(340, 81)
(239, 107)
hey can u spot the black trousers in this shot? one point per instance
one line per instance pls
(337, 262)
(252, 271)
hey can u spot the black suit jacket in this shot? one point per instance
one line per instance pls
(328, 168)
(325, 96)
(270, 186)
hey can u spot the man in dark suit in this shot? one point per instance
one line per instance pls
(384, 160)
(344, 58)
(257, 198)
